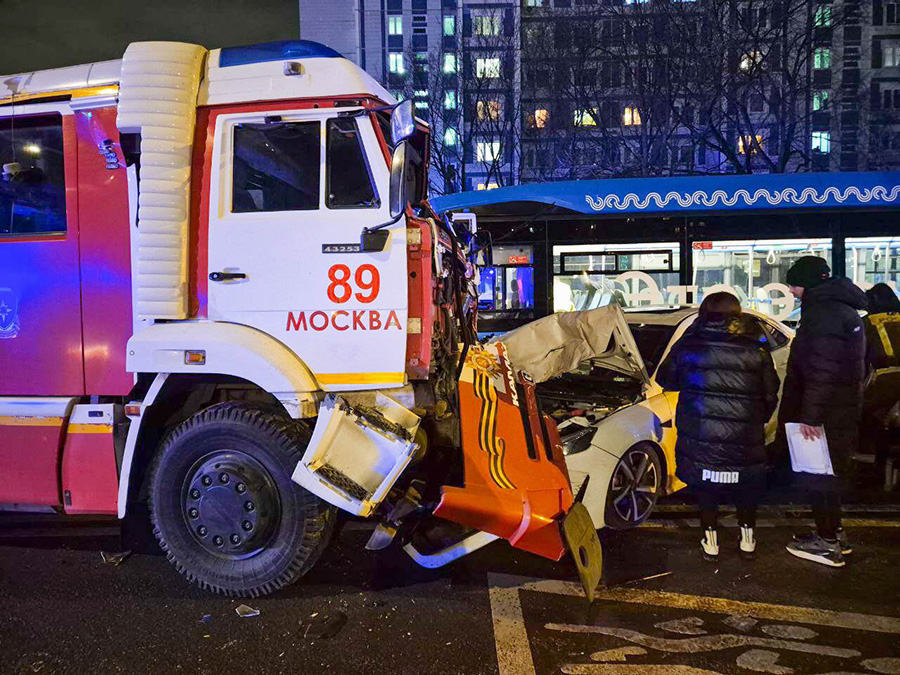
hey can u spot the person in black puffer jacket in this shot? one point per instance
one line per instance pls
(728, 391)
(824, 387)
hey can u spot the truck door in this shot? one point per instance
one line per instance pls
(290, 195)
(41, 361)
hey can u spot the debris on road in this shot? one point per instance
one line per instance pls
(114, 559)
(245, 611)
(324, 626)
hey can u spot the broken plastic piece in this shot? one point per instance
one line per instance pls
(245, 612)
(114, 559)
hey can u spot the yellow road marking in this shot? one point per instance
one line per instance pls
(702, 603)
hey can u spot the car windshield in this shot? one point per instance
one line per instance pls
(651, 340)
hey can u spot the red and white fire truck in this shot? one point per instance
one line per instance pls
(223, 294)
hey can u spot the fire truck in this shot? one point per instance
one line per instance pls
(223, 295)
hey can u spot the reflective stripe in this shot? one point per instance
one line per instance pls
(30, 421)
(90, 428)
(361, 378)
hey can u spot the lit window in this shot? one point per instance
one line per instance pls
(636, 2)
(489, 186)
(450, 137)
(822, 17)
(486, 25)
(395, 25)
(820, 100)
(421, 93)
(449, 63)
(449, 25)
(822, 58)
(487, 68)
(488, 110)
(541, 117)
(821, 142)
(746, 143)
(585, 118)
(450, 100)
(890, 54)
(750, 60)
(421, 105)
(487, 151)
(534, 3)
(395, 63)
(631, 117)
(400, 96)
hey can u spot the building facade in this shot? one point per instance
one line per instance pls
(537, 90)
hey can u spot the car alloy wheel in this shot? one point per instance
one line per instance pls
(635, 486)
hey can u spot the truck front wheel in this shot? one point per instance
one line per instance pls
(223, 505)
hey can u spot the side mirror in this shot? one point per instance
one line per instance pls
(398, 197)
(403, 123)
(375, 239)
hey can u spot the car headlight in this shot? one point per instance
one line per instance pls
(578, 440)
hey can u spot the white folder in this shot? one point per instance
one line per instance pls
(808, 456)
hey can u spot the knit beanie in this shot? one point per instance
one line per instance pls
(808, 272)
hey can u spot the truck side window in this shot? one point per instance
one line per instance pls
(33, 183)
(349, 182)
(276, 167)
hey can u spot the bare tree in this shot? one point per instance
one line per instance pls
(760, 70)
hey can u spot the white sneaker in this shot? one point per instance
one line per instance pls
(748, 542)
(710, 545)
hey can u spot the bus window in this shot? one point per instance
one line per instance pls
(587, 276)
(754, 270)
(873, 260)
(507, 286)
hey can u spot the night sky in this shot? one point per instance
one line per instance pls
(38, 34)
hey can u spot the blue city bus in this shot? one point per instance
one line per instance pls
(645, 242)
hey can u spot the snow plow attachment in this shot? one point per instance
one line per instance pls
(516, 485)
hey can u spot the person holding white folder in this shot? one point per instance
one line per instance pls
(822, 400)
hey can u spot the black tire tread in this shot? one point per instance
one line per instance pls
(292, 438)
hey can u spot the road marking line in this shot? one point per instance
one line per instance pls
(757, 610)
(706, 643)
(514, 651)
(510, 635)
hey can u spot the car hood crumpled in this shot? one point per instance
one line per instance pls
(557, 344)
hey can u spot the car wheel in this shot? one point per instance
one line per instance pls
(224, 508)
(634, 487)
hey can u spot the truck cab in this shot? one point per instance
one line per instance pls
(223, 295)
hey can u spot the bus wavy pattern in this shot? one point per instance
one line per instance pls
(790, 196)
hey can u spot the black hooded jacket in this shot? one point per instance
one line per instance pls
(826, 369)
(728, 391)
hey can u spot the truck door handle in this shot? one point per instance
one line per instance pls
(226, 276)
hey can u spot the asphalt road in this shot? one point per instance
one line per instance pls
(64, 610)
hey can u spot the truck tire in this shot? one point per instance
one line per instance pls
(634, 487)
(223, 505)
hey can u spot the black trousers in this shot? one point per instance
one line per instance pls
(826, 508)
(745, 498)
